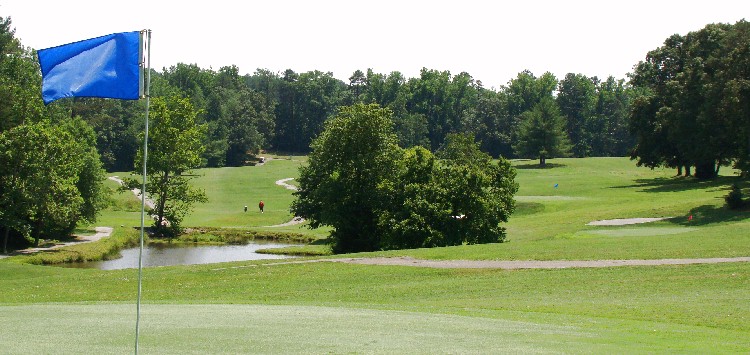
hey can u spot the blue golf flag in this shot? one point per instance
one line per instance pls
(106, 66)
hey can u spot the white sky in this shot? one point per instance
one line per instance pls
(490, 39)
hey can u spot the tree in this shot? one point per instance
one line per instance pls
(356, 82)
(460, 199)
(51, 178)
(689, 92)
(577, 102)
(613, 137)
(491, 123)
(353, 155)
(542, 133)
(175, 148)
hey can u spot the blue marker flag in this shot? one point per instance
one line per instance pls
(106, 66)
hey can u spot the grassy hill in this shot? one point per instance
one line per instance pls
(262, 306)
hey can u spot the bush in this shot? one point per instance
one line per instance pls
(734, 198)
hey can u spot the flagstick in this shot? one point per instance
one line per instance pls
(143, 188)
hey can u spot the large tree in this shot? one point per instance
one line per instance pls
(50, 179)
(174, 149)
(542, 133)
(688, 93)
(355, 153)
(462, 198)
(577, 101)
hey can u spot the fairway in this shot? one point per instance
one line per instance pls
(235, 329)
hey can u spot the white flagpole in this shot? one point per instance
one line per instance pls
(143, 188)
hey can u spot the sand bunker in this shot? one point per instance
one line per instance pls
(625, 221)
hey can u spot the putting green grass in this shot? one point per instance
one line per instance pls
(238, 329)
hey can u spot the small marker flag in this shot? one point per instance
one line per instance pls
(106, 66)
(556, 185)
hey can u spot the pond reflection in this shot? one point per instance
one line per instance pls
(167, 255)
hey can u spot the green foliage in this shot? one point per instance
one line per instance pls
(50, 178)
(690, 105)
(542, 133)
(104, 249)
(339, 187)
(734, 198)
(377, 196)
(577, 100)
(175, 147)
(461, 199)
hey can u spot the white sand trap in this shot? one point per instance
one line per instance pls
(640, 231)
(625, 221)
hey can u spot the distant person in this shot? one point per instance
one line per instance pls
(245, 208)
(261, 205)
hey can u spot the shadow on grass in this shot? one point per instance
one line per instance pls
(677, 184)
(321, 241)
(537, 166)
(527, 208)
(708, 214)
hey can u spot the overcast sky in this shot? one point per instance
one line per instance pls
(491, 40)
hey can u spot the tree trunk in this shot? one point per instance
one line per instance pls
(542, 161)
(162, 202)
(5, 240)
(37, 231)
(679, 170)
(687, 170)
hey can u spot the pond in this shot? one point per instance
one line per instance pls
(167, 255)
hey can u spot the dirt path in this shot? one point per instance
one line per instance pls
(136, 192)
(295, 220)
(101, 232)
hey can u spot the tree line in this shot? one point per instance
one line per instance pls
(532, 116)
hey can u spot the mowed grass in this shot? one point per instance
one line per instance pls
(332, 307)
(271, 307)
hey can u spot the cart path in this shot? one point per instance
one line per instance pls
(101, 232)
(507, 264)
(295, 220)
(136, 192)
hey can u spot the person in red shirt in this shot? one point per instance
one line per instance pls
(261, 205)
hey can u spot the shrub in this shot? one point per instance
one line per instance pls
(734, 198)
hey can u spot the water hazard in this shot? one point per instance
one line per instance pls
(160, 255)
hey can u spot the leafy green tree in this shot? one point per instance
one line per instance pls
(444, 100)
(690, 90)
(251, 123)
(542, 133)
(175, 148)
(305, 101)
(356, 83)
(491, 123)
(577, 101)
(461, 199)
(50, 180)
(612, 136)
(355, 153)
